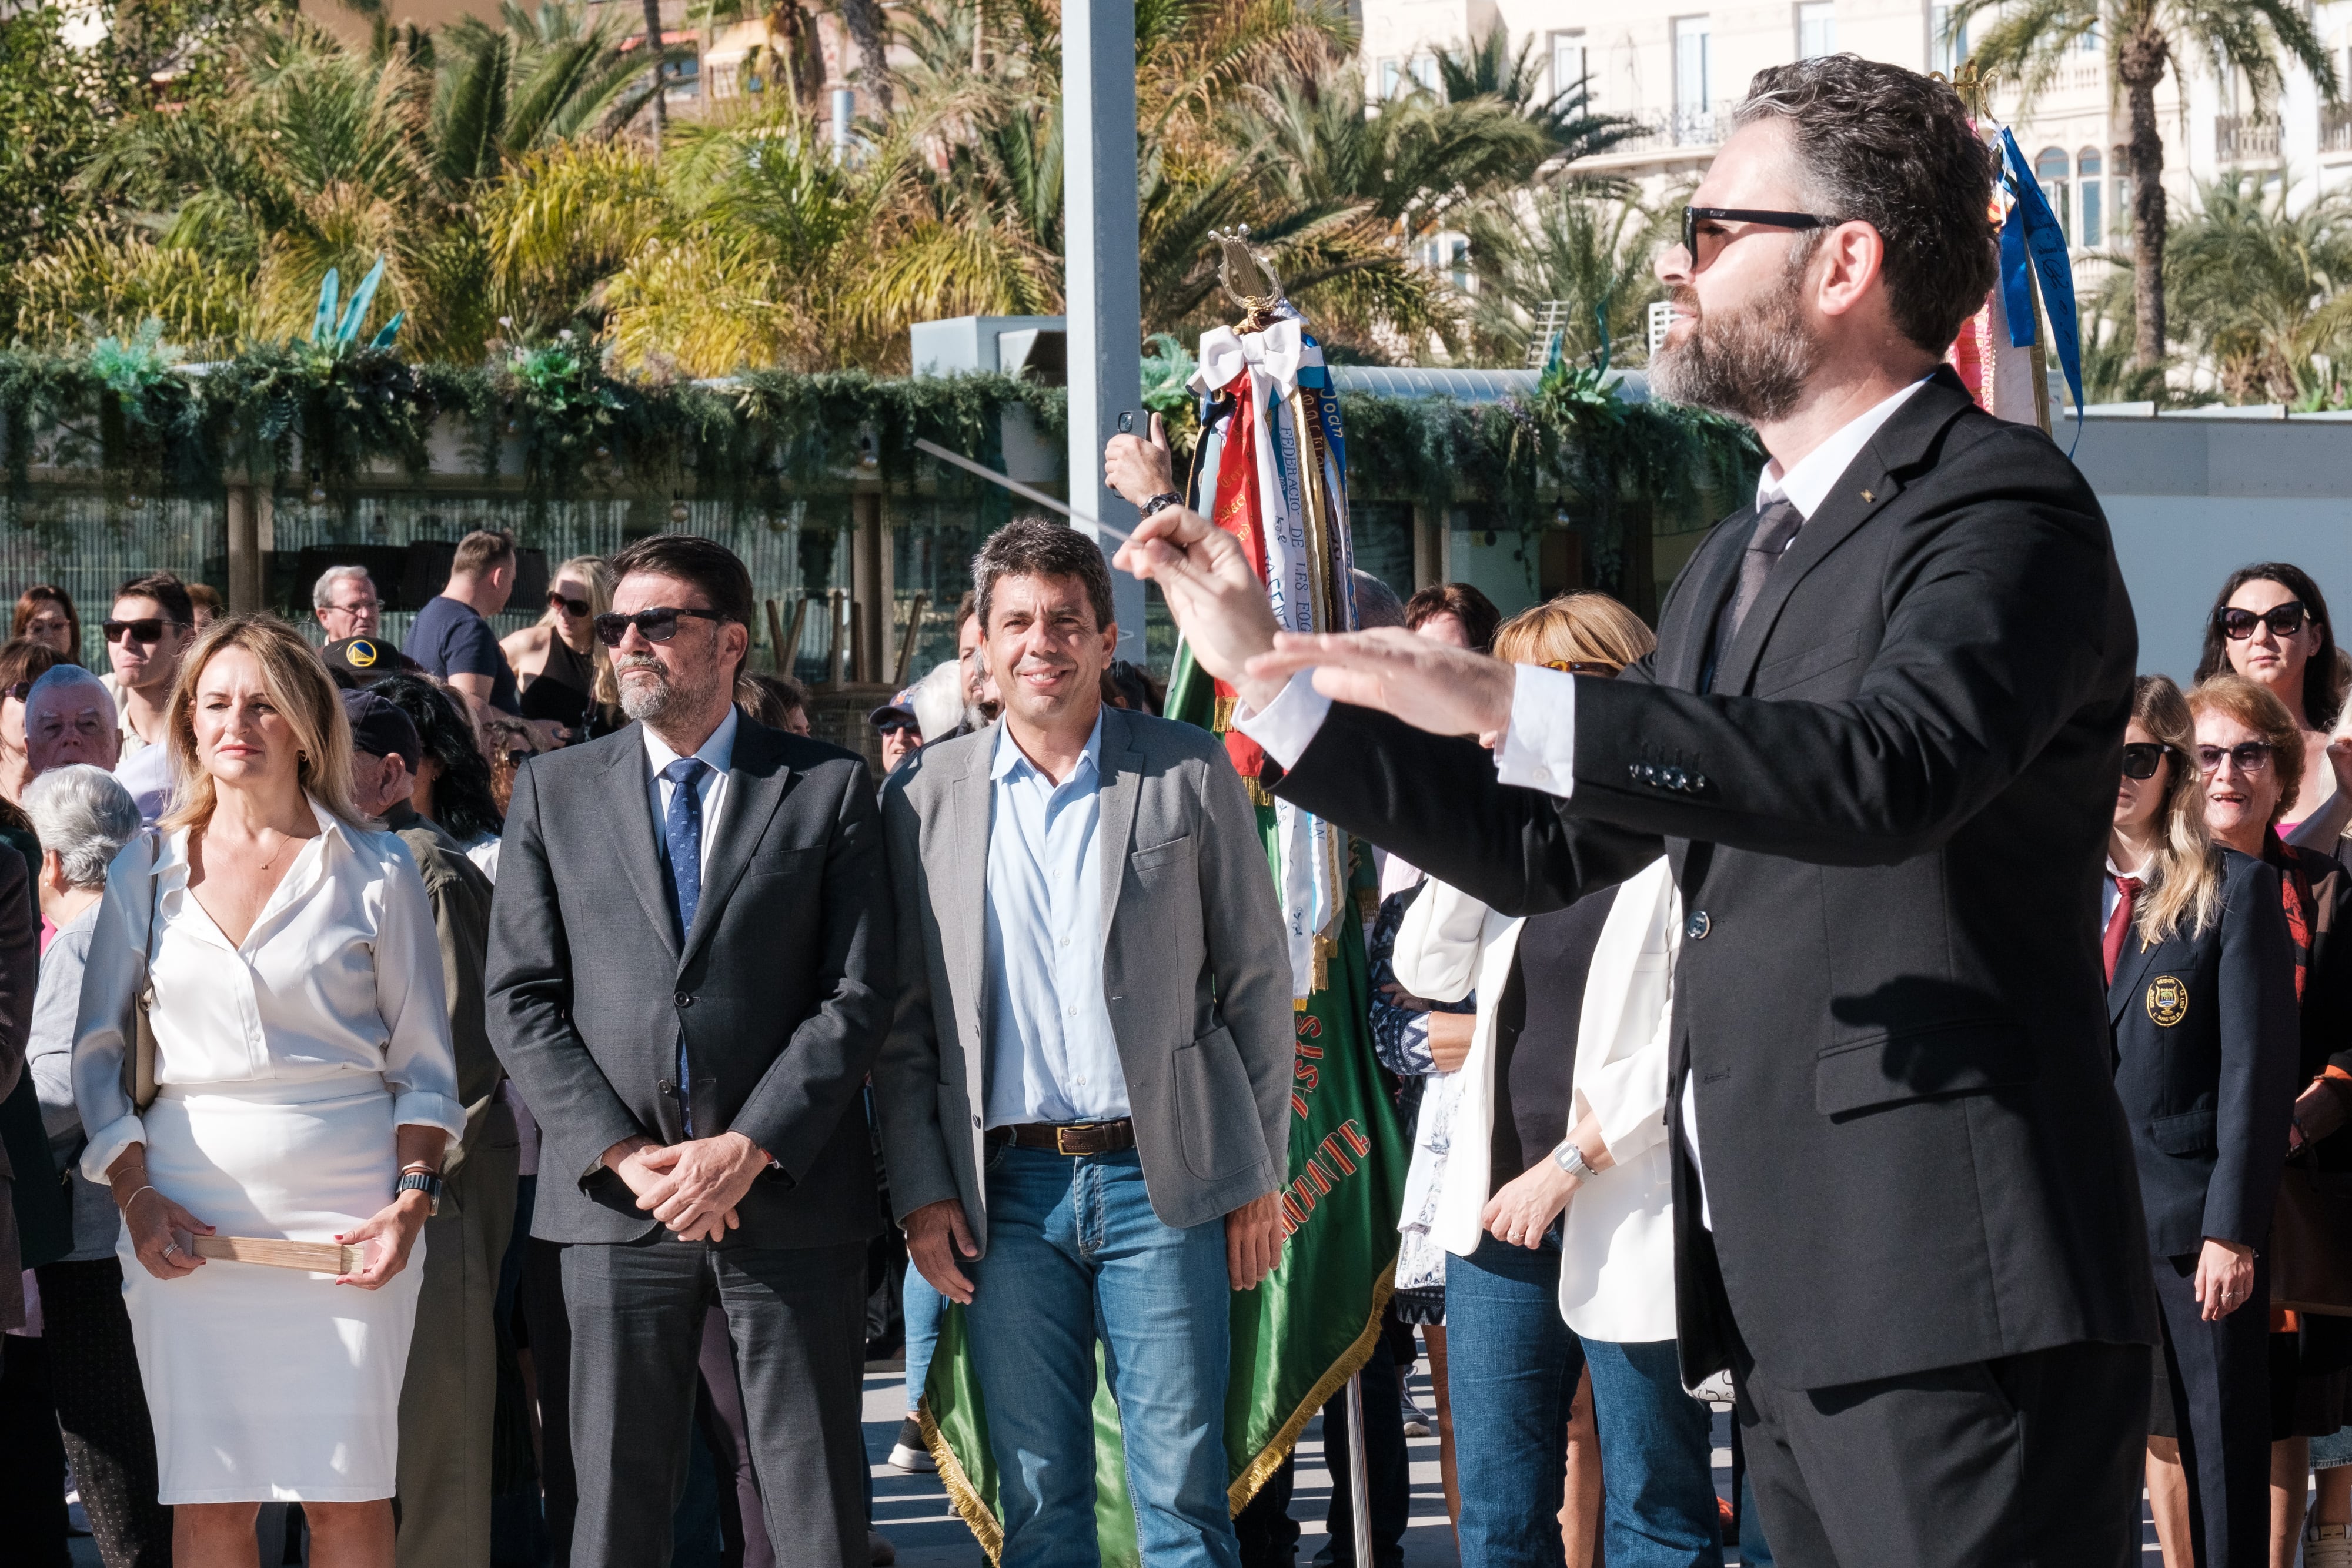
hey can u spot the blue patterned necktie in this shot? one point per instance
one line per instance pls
(682, 830)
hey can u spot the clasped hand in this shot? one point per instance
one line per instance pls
(692, 1188)
(1215, 597)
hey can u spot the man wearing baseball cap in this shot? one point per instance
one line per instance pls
(448, 1401)
(902, 735)
(356, 662)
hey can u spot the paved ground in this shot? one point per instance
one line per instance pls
(913, 1511)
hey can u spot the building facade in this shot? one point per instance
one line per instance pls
(1677, 67)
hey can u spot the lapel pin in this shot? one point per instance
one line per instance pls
(1868, 496)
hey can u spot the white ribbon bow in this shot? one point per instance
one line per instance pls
(1275, 353)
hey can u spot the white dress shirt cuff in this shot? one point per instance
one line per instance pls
(1287, 724)
(423, 1108)
(106, 1145)
(1539, 750)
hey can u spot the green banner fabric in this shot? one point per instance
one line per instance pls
(1300, 1334)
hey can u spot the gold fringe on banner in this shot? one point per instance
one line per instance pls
(1286, 1438)
(962, 1496)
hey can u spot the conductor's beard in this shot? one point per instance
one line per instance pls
(1750, 364)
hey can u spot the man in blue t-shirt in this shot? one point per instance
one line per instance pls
(451, 637)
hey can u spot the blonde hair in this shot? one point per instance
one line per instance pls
(2184, 879)
(297, 684)
(1574, 629)
(2261, 711)
(597, 573)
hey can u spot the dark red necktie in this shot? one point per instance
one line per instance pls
(2120, 923)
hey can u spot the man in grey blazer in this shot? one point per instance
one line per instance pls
(691, 1014)
(1085, 1097)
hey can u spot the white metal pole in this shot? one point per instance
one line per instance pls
(1102, 286)
(1360, 1501)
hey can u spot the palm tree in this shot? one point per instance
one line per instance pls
(328, 156)
(2029, 40)
(2260, 291)
(1489, 69)
(1589, 248)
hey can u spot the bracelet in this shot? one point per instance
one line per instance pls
(134, 1198)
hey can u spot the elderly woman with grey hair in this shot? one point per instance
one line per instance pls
(84, 818)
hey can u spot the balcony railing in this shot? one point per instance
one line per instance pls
(2336, 127)
(2246, 138)
(1685, 125)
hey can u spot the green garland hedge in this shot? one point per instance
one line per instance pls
(303, 416)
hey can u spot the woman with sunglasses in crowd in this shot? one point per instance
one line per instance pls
(557, 663)
(2269, 624)
(2251, 753)
(2200, 996)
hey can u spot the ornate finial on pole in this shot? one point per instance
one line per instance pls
(1975, 87)
(1235, 251)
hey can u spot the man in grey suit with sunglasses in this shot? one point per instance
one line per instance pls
(690, 957)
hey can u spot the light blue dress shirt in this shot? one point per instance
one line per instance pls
(718, 751)
(1051, 1053)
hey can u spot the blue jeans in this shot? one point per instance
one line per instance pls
(922, 1307)
(1511, 1373)
(1075, 1252)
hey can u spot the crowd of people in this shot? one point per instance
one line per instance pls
(2007, 985)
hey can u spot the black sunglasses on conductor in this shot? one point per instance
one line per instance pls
(2284, 621)
(655, 625)
(1693, 216)
(2143, 757)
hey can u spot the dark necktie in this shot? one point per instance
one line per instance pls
(2119, 924)
(1776, 525)
(682, 831)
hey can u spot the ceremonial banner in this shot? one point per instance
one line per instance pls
(1276, 470)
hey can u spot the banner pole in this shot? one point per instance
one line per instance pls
(1360, 1502)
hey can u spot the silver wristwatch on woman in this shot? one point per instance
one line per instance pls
(1571, 1158)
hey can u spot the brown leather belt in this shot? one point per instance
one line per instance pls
(1068, 1137)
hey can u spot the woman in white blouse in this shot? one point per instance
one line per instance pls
(305, 1089)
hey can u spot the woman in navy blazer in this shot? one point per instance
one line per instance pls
(2200, 993)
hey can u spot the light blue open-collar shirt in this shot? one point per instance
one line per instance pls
(1051, 1053)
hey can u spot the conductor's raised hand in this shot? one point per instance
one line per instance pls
(1430, 685)
(1213, 593)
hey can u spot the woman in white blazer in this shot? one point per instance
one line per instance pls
(1554, 1200)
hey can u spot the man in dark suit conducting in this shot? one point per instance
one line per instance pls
(689, 967)
(1878, 740)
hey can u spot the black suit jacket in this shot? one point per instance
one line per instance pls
(2206, 1038)
(1889, 819)
(779, 993)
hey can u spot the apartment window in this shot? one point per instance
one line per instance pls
(1568, 64)
(2088, 167)
(682, 78)
(1392, 77)
(2089, 43)
(2050, 172)
(1948, 42)
(1816, 30)
(1693, 97)
(1424, 70)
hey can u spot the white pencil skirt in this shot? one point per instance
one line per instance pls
(271, 1385)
